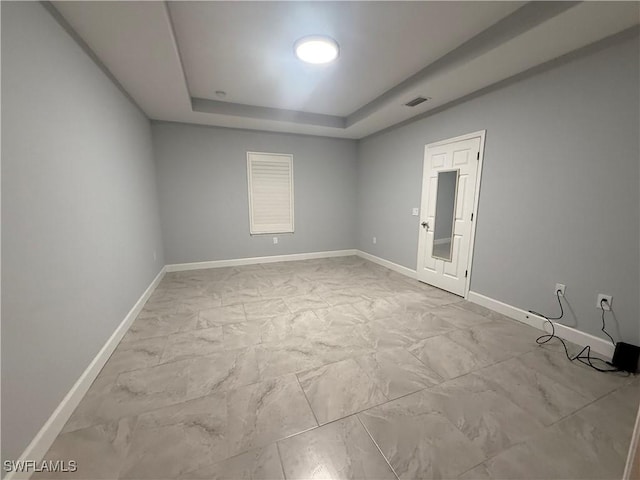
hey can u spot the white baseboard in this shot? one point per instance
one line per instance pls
(386, 263)
(573, 335)
(180, 267)
(43, 440)
(568, 333)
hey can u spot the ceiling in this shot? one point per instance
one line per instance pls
(172, 57)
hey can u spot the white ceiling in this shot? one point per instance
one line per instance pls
(246, 49)
(171, 58)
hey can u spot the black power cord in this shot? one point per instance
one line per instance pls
(584, 356)
(602, 302)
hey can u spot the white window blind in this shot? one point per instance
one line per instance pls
(270, 178)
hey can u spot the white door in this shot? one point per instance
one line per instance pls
(449, 178)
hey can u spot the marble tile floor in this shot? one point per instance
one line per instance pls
(339, 368)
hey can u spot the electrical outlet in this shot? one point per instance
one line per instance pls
(154, 256)
(560, 287)
(275, 240)
(415, 212)
(607, 304)
(374, 240)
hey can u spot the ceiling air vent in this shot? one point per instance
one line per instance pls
(416, 101)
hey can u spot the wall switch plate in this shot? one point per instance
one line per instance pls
(415, 212)
(374, 240)
(560, 287)
(605, 305)
(275, 240)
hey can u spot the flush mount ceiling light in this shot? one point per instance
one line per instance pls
(316, 49)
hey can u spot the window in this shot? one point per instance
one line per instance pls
(270, 177)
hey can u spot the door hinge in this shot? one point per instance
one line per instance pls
(478, 156)
(472, 216)
(466, 273)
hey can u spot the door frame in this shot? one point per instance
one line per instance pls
(468, 136)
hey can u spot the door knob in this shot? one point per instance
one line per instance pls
(425, 225)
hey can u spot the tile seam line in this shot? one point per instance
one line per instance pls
(545, 428)
(307, 399)
(183, 359)
(565, 385)
(377, 446)
(597, 399)
(330, 363)
(454, 426)
(151, 410)
(355, 414)
(548, 378)
(477, 465)
(284, 474)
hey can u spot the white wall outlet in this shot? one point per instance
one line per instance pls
(374, 240)
(561, 288)
(415, 212)
(606, 305)
(275, 240)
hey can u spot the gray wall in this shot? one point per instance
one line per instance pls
(559, 196)
(80, 220)
(559, 200)
(202, 182)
